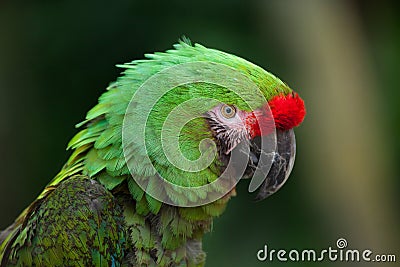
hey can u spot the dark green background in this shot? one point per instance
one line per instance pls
(343, 57)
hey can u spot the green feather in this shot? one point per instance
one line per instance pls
(153, 204)
(134, 189)
(110, 182)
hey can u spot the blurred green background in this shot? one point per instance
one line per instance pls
(343, 57)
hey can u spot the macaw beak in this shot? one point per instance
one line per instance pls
(282, 163)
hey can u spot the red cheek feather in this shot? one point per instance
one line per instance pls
(288, 112)
(258, 122)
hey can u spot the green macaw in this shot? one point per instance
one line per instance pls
(106, 206)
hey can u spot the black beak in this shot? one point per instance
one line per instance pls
(282, 163)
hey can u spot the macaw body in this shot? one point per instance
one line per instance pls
(94, 212)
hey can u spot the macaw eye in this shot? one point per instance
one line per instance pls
(228, 111)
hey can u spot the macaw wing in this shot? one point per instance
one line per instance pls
(78, 223)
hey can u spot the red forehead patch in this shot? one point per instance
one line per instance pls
(288, 110)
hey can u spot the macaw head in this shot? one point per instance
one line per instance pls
(232, 126)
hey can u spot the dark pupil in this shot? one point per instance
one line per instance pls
(228, 110)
